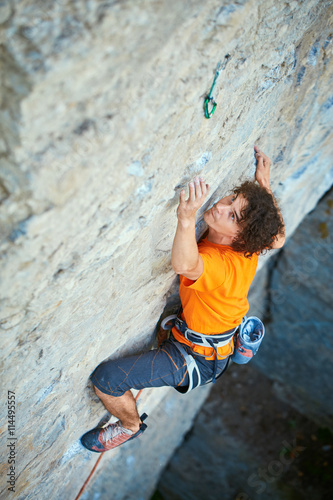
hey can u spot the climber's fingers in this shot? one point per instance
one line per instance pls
(263, 168)
(260, 156)
(198, 191)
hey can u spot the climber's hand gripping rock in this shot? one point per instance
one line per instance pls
(198, 191)
(185, 258)
(263, 168)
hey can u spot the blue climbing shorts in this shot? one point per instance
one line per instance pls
(160, 367)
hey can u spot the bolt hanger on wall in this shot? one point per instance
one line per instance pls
(210, 99)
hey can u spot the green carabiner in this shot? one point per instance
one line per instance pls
(209, 99)
(210, 113)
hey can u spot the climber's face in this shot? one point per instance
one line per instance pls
(224, 217)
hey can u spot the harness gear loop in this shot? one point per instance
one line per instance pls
(209, 99)
(166, 320)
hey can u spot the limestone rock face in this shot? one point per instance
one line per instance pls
(102, 124)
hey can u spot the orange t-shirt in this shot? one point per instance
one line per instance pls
(217, 301)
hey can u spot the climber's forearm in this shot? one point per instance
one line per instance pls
(262, 176)
(185, 257)
(280, 238)
(276, 205)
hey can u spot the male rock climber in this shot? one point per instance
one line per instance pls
(215, 277)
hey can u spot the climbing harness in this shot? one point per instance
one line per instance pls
(248, 339)
(205, 340)
(201, 340)
(210, 99)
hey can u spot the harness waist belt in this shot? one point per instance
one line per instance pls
(203, 339)
(199, 339)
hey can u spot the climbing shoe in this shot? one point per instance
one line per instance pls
(102, 439)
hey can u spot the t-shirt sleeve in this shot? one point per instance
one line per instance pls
(214, 272)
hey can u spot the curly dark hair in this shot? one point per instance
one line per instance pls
(260, 220)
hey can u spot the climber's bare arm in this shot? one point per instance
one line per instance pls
(185, 258)
(262, 177)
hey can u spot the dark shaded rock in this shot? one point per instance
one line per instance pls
(299, 345)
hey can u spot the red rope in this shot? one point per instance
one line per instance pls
(97, 462)
(88, 478)
(138, 394)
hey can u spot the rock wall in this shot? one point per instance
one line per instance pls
(102, 123)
